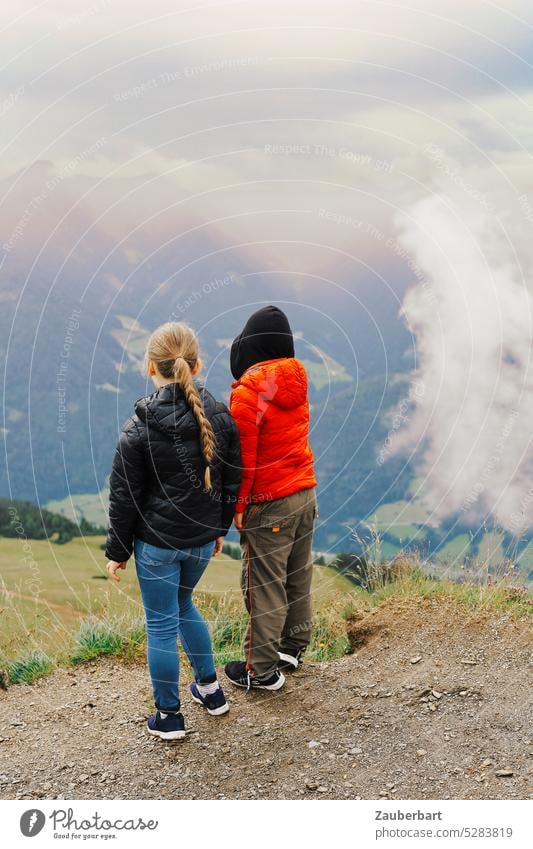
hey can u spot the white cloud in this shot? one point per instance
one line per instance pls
(473, 323)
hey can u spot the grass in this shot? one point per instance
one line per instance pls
(410, 581)
(47, 591)
(70, 623)
(123, 638)
(29, 667)
(329, 637)
(228, 620)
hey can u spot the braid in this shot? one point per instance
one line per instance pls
(174, 348)
(183, 375)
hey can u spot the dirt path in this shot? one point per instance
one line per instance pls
(375, 724)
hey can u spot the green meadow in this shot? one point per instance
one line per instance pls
(46, 590)
(57, 605)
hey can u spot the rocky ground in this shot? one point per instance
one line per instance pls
(435, 703)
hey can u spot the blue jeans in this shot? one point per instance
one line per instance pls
(167, 578)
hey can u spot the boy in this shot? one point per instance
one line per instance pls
(276, 507)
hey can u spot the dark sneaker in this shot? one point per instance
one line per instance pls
(238, 674)
(290, 660)
(215, 703)
(171, 727)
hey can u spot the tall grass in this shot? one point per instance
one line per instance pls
(329, 635)
(411, 582)
(402, 578)
(227, 623)
(408, 576)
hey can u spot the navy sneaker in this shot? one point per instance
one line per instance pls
(239, 674)
(215, 703)
(289, 659)
(171, 727)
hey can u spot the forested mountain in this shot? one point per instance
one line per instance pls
(78, 303)
(85, 277)
(24, 520)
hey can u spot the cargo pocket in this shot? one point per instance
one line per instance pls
(275, 524)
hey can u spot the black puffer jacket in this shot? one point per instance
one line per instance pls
(156, 484)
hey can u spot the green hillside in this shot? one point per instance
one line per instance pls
(26, 520)
(402, 526)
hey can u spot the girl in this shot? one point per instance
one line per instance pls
(277, 503)
(173, 488)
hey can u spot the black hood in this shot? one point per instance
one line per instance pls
(267, 335)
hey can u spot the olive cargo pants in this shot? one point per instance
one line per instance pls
(276, 577)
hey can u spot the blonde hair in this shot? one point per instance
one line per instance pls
(173, 348)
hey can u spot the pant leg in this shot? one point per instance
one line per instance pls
(158, 574)
(267, 542)
(193, 631)
(297, 628)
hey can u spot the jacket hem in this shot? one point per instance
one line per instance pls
(260, 498)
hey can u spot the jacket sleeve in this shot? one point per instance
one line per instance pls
(231, 475)
(126, 486)
(244, 411)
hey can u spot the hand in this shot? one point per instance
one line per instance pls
(219, 542)
(238, 521)
(112, 567)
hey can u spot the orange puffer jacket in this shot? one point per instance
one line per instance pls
(271, 408)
